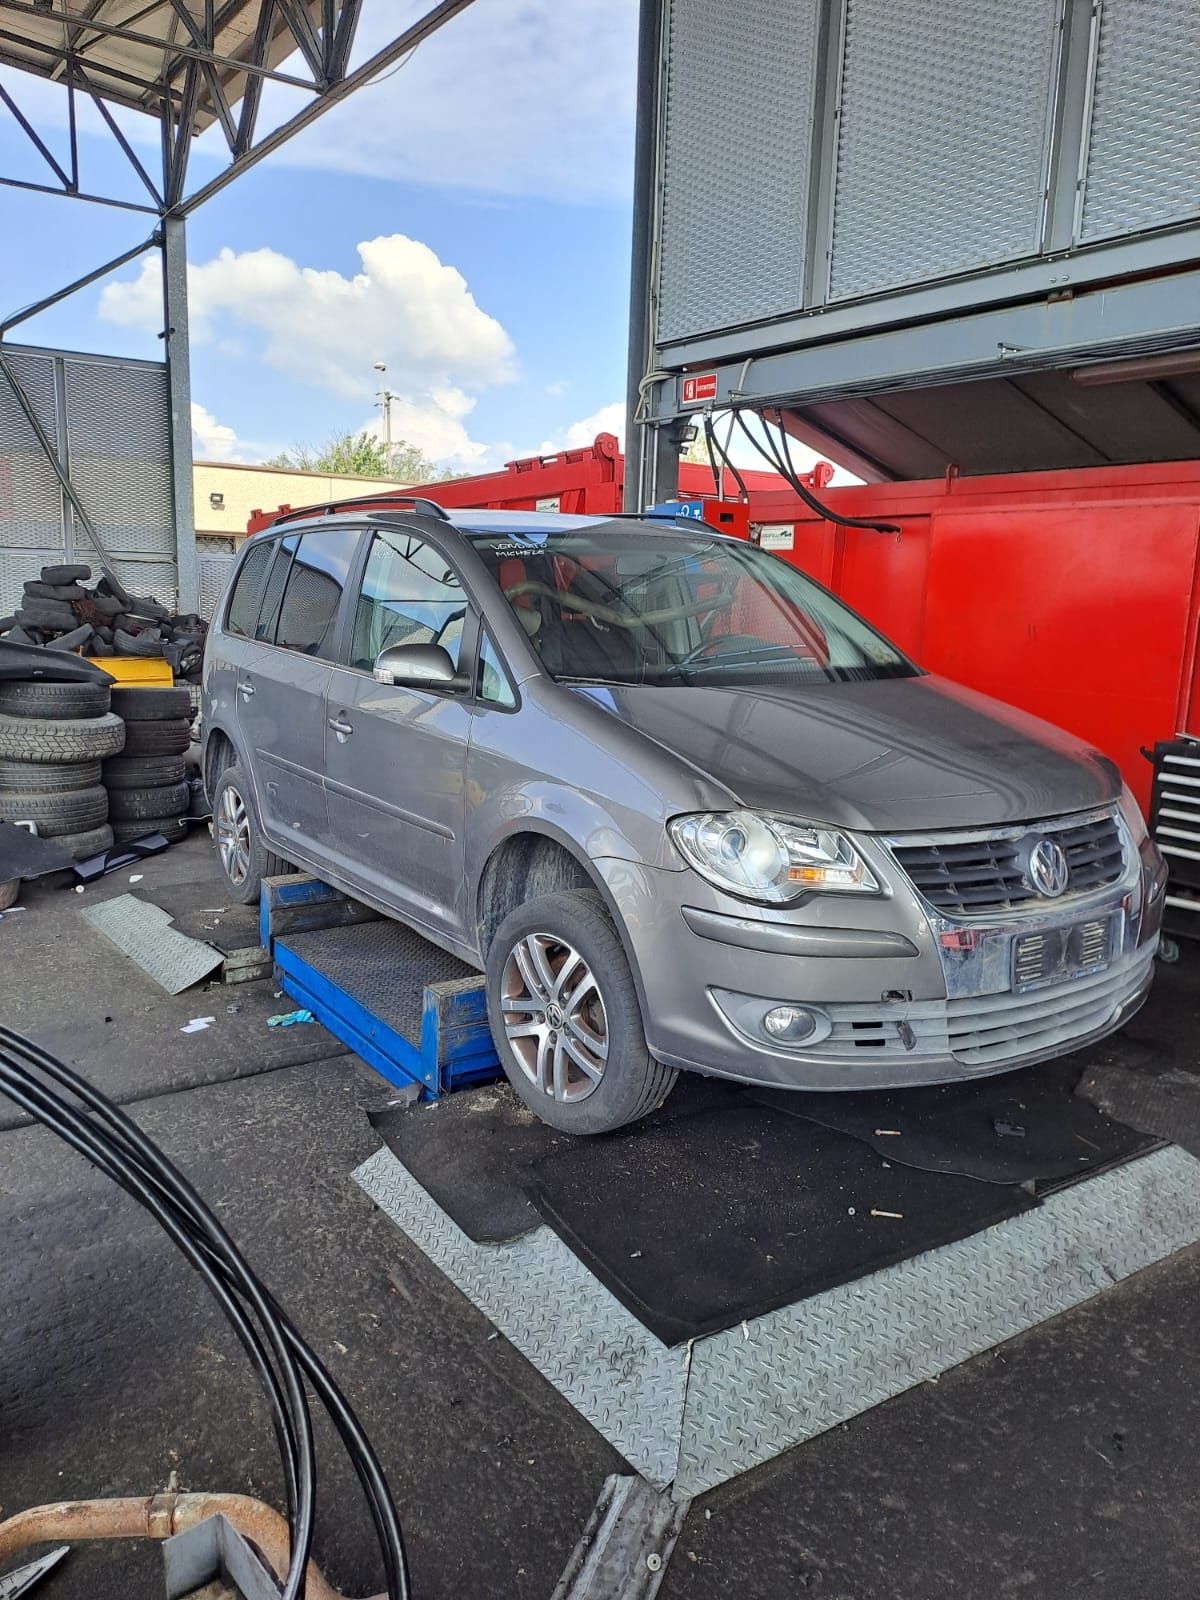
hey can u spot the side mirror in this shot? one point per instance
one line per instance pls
(418, 666)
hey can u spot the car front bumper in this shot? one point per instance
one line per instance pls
(904, 996)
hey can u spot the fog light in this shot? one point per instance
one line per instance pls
(789, 1023)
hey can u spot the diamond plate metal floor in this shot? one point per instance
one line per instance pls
(694, 1416)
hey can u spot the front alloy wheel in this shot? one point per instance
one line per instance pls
(554, 1017)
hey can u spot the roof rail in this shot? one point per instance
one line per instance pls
(373, 502)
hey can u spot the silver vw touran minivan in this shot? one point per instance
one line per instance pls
(683, 808)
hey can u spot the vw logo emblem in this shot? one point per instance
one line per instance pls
(1048, 870)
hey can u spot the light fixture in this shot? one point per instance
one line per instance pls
(217, 500)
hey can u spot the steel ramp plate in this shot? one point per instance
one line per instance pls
(384, 966)
(144, 933)
(697, 1414)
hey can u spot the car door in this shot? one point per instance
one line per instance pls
(395, 758)
(282, 683)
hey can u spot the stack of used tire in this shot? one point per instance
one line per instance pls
(53, 739)
(147, 787)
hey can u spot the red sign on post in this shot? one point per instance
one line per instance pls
(700, 388)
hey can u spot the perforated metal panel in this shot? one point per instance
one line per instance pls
(215, 572)
(117, 436)
(737, 137)
(107, 421)
(1143, 152)
(942, 141)
(30, 498)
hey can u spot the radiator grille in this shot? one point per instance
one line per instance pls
(978, 874)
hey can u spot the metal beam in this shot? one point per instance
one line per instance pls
(34, 137)
(1141, 316)
(179, 387)
(79, 194)
(640, 352)
(116, 30)
(412, 36)
(79, 283)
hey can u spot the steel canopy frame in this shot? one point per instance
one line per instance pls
(190, 66)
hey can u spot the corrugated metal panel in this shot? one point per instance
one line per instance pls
(942, 138)
(737, 138)
(215, 571)
(1143, 155)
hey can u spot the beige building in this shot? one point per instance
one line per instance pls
(226, 494)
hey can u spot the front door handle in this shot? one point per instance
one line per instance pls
(246, 690)
(342, 729)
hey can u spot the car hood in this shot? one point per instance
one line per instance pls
(896, 754)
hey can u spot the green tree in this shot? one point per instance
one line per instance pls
(360, 455)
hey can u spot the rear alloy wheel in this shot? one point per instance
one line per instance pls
(235, 841)
(565, 1016)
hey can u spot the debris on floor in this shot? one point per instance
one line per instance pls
(144, 933)
(288, 1019)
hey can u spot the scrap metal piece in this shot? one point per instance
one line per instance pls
(23, 1579)
(214, 1549)
(144, 933)
(623, 1552)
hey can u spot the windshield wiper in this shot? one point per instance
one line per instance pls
(610, 683)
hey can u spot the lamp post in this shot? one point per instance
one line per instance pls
(385, 398)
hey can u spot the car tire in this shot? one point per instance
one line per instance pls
(165, 738)
(152, 705)
(173, 829)
(88, 843)
(69, 572)
(48, 777)
(54, 701)
(132, 805)
(61, 738)
(593, 1072)
(73, 812)
(140, 772)
(242, 852)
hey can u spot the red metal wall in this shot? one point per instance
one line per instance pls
(1074, 595)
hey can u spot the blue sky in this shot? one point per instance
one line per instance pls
(489, 182)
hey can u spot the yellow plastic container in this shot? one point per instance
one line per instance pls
(136, 672)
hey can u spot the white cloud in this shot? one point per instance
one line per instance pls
(213, 440)
(436, 425)
(515, 97)
(579, 435)
(405, 307)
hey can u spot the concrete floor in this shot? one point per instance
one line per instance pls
(1060, 1464)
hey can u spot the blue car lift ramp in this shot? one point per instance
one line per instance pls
(409, 1009)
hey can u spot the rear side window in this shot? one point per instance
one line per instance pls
(308, 615)
(268, 614)
(242, 612)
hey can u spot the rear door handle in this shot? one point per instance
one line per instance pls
(342, 729)
(246, 690)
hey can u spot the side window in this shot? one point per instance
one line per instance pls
(308, 615)
(410, 595)
(246, 596)
(268, 614)
(493, 685)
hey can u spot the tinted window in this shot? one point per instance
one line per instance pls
(242, 611)
(273, 592)
(410, 595)
(493, 686)
(308, 615)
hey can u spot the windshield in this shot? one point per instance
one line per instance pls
(628, 604)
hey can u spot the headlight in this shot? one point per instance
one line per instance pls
(1132, 813)
(768, 858)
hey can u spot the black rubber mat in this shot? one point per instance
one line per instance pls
(727, 1203)
(1020, 1127)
